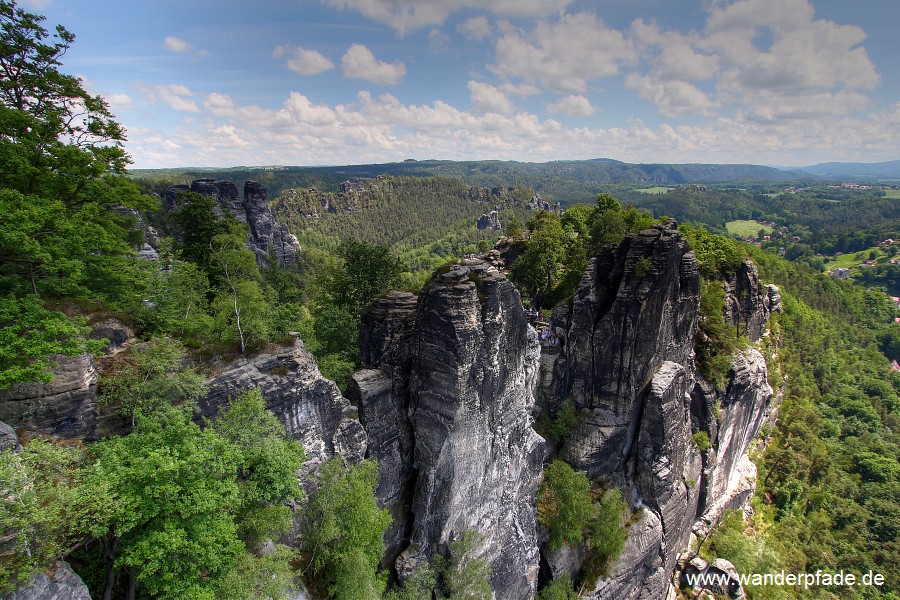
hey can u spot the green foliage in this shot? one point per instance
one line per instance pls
(196, 224)
(564, 504)
(31, 336)
(185, 501)
(344, 528)
(716, 254)
(61, 166)
(606, 533)
(151, 377)
(177, 292)
(45, 507)
(565, 420)
(716, 341)
(558, 589)
(463, 575)
(269, 576)
(701, 441)
(419, 584)
(160, 509)
(642, 266)
(368, 271)
(268, 468)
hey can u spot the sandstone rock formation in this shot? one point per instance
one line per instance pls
(311, 407)
(264, 233)
(627, 361)
(63, 585)
(447, 401)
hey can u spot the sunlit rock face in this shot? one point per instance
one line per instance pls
(456, 371)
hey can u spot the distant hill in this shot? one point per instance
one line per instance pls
(878, 171)
(567, 181)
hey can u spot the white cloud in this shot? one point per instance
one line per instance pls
(408, 15)
(486, 98)
(573, 106)
(475, 28)
(805, 54)
(175, 96)
(672, 98)
(565, 55)
(180, 46)
(359, 63)
(303, 60)
(177, 45)
(383, 128)
(769, 60)
(120, 101)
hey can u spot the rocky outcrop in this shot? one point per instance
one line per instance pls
(635, 309)
(264, 232)
(490, 221)
(749, 303)
(311, 407)
(457, 374)
(63, 585)
(66, 407)
(627, 362)
(732, 421)
(8, 438)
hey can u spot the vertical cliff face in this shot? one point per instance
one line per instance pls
(457, 374)
(252, 209)
(627, 362)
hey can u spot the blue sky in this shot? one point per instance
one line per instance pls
(315, 82)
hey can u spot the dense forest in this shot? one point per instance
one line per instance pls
(216, 491)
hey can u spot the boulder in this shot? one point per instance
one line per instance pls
(64, 584)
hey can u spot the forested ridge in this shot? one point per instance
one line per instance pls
(220, 494)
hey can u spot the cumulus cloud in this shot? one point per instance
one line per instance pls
(475, 28)
(486, 98)
(408, 15)
(769, 60)
(176, 96)
(564, 55)
(573, 106)
(384, 128)
(359, 63)
(303, 60)
(672, 98)
(805, 54)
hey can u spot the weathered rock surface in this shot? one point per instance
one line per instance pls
(627, 361)
(66, 407)
(623, 325)
(732, 420)
(8, 438)
(749, 303)
(252, 209)
(63, 585)
(311, 407)
(460, 371)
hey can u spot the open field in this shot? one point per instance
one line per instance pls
(892, 193)
(745, 228)
(853, 259)
(656, 190)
